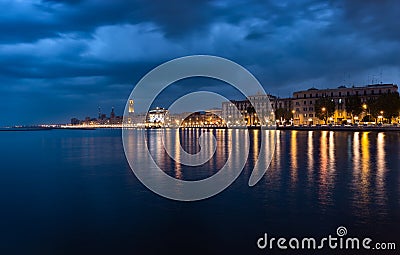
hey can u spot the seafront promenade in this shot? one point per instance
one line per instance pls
(342, 128)
(359, 128)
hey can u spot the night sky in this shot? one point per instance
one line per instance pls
(63, 59)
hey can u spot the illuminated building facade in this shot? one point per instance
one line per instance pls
(244, 112)
(203, 119)
(304, 101)
(156, 118)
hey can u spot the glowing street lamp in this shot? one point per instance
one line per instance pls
(365, 106)
(323, 110)
(381, 116)
(292, 119)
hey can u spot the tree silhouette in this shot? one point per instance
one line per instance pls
(389, 104)
(324, 103)
(283, 113)
(353, 106)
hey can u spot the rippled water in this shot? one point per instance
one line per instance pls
(72, 192)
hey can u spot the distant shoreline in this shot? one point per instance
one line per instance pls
(296, 128)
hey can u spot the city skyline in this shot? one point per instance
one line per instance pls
(301, 108)
(61, 58)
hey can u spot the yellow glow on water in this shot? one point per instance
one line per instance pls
(310, 155)
(331, 149)
(256, 148)
(324, 155)
(327, 167)
(293, 158)
(323, 174)
(278, 150)
(363, 179)
(365, 154)
(178, 168)
(356, 154)
(381, 162)
(380, 167)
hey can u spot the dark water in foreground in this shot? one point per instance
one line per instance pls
(72, 192)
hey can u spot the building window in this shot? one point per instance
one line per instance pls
(372, 92)
(310, 102)
(297, 109)
(357, 93)
(310, 95)
(348, 93)
(304, 95)
(365, 92)
(305, 109)
(305, 102)
(297, 103)
(311, 109)
(311, 115)
(380, 91)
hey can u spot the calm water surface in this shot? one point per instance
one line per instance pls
(72, 192)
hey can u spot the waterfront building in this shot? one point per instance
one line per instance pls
(281, 103)
(75, 121)
(131, 108)
(156, 117)
(304, 101)
(254, 111)
(101, 120)
(203, 119)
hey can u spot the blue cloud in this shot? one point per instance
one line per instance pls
(70, 56)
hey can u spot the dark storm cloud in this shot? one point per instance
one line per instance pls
(375, 19)
(91, 53)
(26, 21)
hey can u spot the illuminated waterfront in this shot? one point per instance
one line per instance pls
(71, 191)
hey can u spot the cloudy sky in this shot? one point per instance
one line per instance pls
(63, 59)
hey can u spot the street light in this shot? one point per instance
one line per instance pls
(365, 106)
(293, 112)
(381, 117)
(323, 110)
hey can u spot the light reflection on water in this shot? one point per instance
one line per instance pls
(381, 170)
(75, 187)
(335, 168)
(293, 158)
(310, 157)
